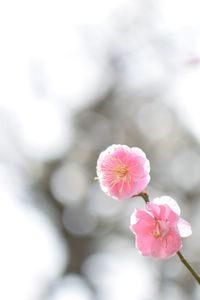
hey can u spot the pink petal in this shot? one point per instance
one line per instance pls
(155, 209)
(138, 151)
(156, 248)
(140, 185)
(120, 191)
(134, 219)
(184, 228)
(144, 244)
(171, 243)
(164, 213)
(142, 223)
(140, 214)
(137, 170)
(169, 201)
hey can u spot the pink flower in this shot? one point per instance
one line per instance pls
(159, 228)
(123, 172)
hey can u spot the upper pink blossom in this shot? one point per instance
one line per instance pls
(123, 172)
(159, 228)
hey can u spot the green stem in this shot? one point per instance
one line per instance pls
(189, 267)
(145, 197)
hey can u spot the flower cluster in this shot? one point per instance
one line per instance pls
(123, 173)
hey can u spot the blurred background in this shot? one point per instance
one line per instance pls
(75, 77)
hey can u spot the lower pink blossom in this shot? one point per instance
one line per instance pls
(123, 172)
(159, 228)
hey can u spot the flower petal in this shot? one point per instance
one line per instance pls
(144, 244)
(169, 201)
(141, 215)
(184, 228)
(171, 243)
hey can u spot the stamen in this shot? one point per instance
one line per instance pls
(121, 172)
(157, 231)
(160, 229)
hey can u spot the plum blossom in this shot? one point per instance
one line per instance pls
(123, 172)
(159, 228)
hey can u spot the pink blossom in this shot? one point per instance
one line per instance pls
(159, 228)
(123, 172)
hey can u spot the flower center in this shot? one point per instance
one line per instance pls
(157, 230)
(121, 172)
(160, 229)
